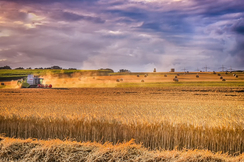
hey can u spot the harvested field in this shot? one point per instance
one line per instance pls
(152, 78)
(131, 80)
(70, 151)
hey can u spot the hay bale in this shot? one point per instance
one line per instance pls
(214, 72)
(178, 74)
(223, 79)
(2, 84)
(117, 80)
(197, 76)
(142, 80)
(175, 76)
(145, 75)
(219, 74)
(121, 79)
(226, 72)
(175, 79)
(236, 76)
(165, 75)
(138, 75)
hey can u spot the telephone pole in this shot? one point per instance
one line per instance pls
(230, 68)
(206, 68)
(223, 68)
(184, 69)
(197, 69)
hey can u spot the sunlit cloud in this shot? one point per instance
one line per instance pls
(131, 34)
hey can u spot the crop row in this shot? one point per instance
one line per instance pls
(163, 135)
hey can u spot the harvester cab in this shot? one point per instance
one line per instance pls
(32, 82)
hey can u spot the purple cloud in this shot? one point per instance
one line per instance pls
(131, 34)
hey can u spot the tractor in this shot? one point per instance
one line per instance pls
(32, 82)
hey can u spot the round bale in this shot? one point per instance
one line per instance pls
(2, 84)
(175, 79)
(138, 75)
(236, 76)
(223, 79)
(219, 74)
(142, 80)
(175, 76)
(121, 79)
(117, 80)
(145, 75)
(197, 76)
(165, 75)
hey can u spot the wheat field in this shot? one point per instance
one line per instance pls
(166, 118)
(195, 119)
(32, 150)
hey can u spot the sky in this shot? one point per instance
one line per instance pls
(138, 35)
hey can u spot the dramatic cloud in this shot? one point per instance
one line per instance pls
(138, 35)
(69, 16)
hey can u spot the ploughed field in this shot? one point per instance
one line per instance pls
(166, 118)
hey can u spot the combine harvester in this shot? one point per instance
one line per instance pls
(32, 82)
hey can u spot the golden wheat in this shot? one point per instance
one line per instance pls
(159, 118)
(56, 150)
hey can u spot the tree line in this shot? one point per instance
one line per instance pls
(58, 67)
(53, 67)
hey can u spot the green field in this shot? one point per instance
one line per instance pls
(7, 75)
